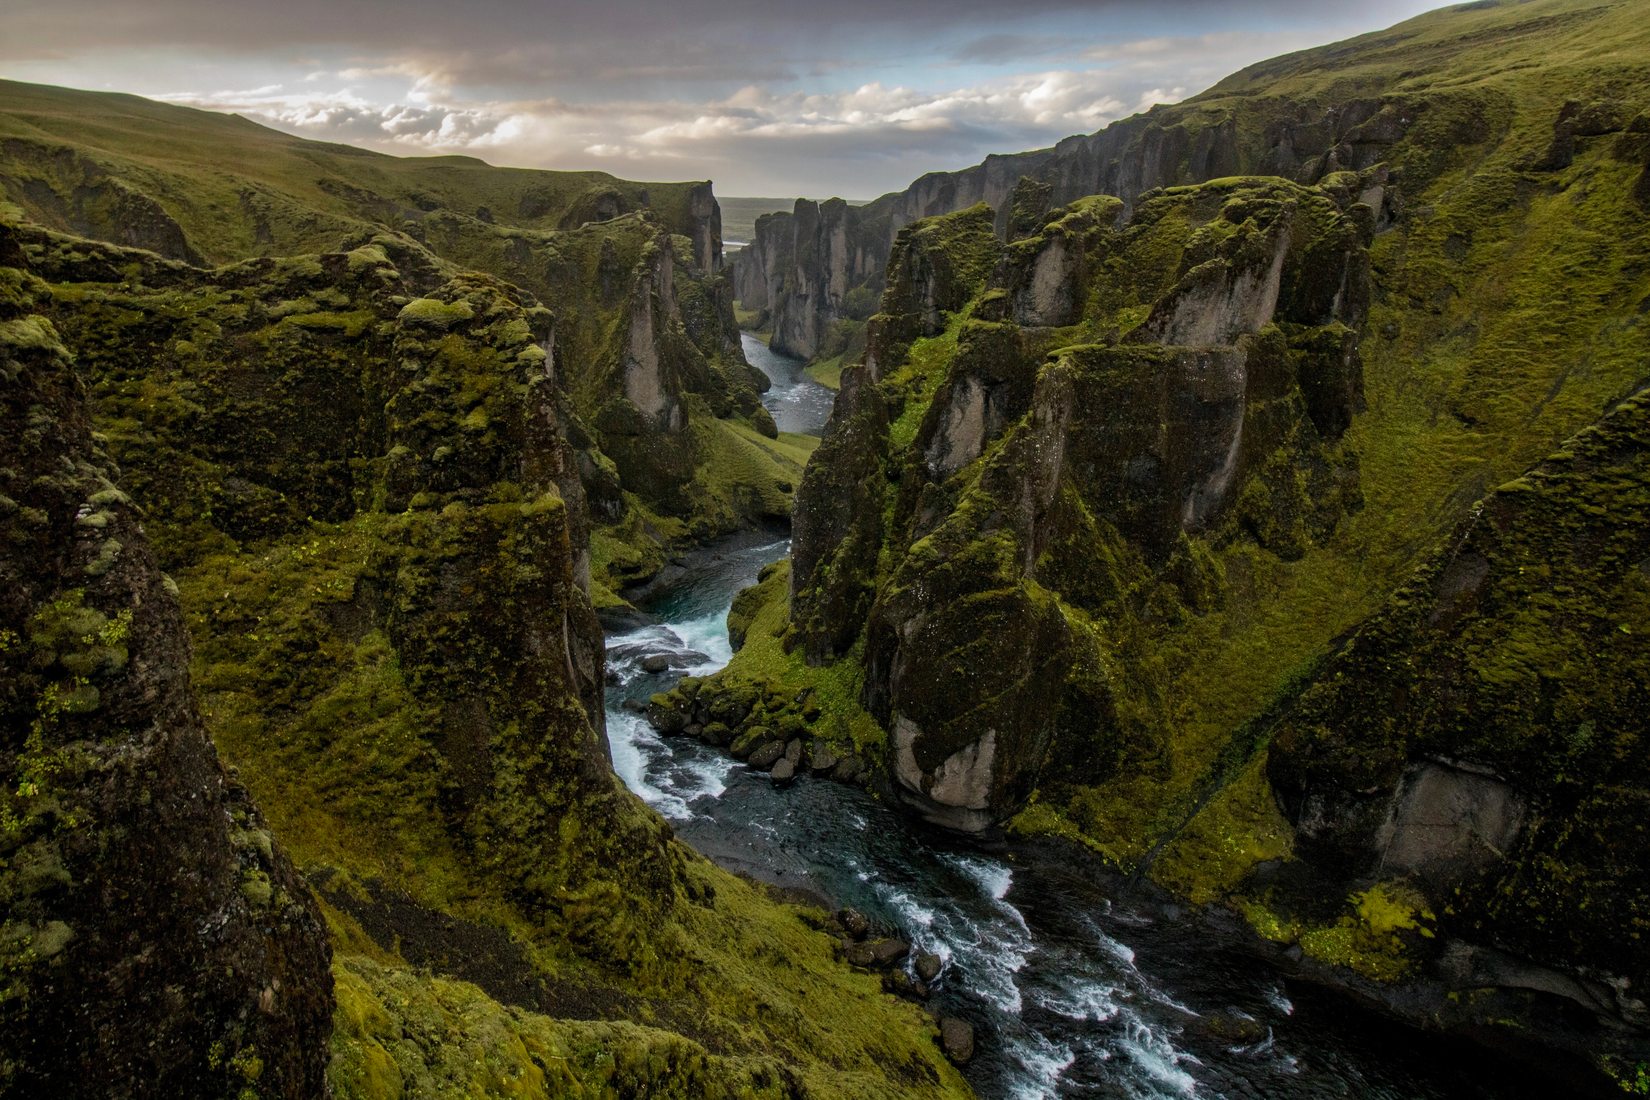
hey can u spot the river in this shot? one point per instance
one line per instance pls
(1076, 985)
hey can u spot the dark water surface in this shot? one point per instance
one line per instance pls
(797, 402)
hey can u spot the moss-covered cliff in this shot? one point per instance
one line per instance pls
(367, 473)
(1449, 78)
(678, 442)
(1116, 478)
(156, 939)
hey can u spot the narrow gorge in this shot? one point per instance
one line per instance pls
(1163, 615)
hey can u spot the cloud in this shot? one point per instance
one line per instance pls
(1002, 49)
(854, 97)
(872, 124)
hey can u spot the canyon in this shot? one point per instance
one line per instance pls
(444, 655)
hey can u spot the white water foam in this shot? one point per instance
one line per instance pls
(1083, 1001)
(993, 877)
(669, 783)
(635, 747)
(1042, 1062)
(1278, 1000)
(1157, 1058)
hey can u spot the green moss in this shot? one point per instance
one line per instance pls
(788, 693)
(911, 387)
(1372, 937)
(1239, 828)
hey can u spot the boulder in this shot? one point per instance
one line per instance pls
(887, 952)
(848, 770)
(765, 756)
(783, 772)
(1231, 1025)
(927, 965)
(857, 924)
(899, 983)
(957, 1040)
(793, 752)
(823, 758)
(664, 716)
(749, 740)
(859, 954)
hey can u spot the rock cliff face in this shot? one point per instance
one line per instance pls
(157, 941)
(422, 415)
(805, 268)
(1253, 123)
(666, 398)
(1157, 433)
(1481, 736)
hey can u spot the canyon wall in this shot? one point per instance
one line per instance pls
(1197, 521)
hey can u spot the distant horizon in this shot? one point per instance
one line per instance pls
(764, 100)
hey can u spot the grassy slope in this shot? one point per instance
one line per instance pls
(211, 171)
(1505, 320)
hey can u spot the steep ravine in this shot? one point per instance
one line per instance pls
(1077, 985)
(1077, 982)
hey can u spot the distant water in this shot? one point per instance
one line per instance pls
(1072, 994)
(797, 402)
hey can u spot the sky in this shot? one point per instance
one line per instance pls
(851, 98)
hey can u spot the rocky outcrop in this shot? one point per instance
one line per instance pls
(1223, 132)
(157, 940)
(665, 397)
(1017, 452)
(809, 269)
(424, 418)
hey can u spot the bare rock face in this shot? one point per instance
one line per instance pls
(156, 941)
(801, 267)
(1449, 821)
(652, 312)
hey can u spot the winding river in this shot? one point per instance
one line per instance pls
(1077, 986)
